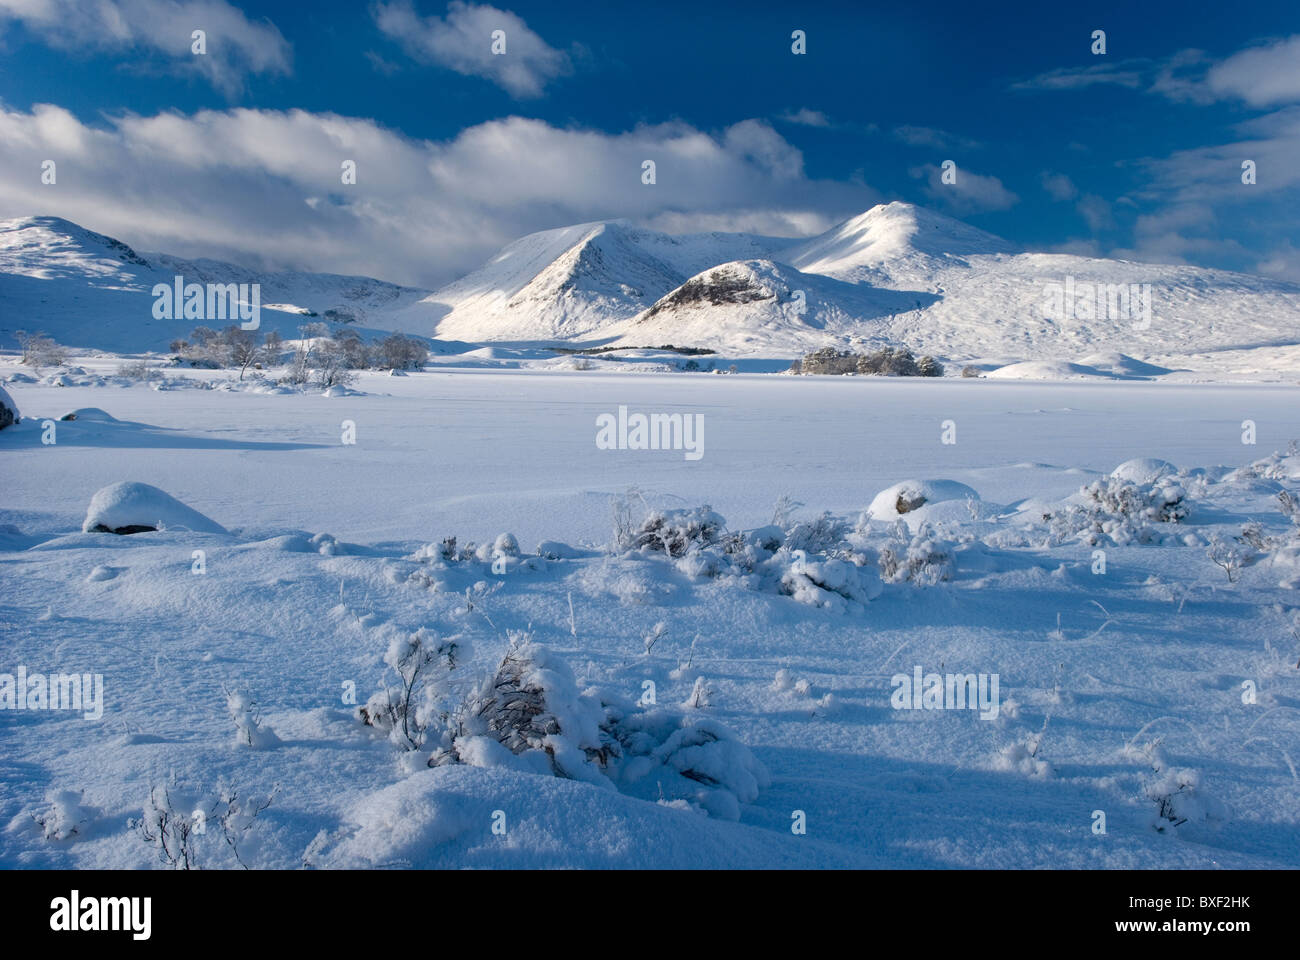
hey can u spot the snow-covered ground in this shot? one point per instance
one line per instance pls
(1145, 687)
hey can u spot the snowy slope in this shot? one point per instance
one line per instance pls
(574, 281)
(86, 289)
(759, 305)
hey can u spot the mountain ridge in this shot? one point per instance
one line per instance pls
(896, 274)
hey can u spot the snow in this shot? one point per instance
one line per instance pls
(365, 669)
(131, 504)
(1157, 690)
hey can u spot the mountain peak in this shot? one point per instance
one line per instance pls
(891, 238)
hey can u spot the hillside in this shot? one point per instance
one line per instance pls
(89, 290)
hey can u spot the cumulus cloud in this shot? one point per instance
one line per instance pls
(971, 193)
(161, 31)
(462, 41)
(263, 187)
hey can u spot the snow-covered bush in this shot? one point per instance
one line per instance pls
(530, 715)
(686, 756)
(139, 370)
(829, 582)
(180, 819)
(39, 350)
(1121, 511)
(421, 661)
(531, 707)
(1177, 792)
(922, 558)
(675, 532)
(63, 816)
(823, 534)
(1231, 558)
(249, 729)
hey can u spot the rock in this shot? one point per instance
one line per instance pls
(130, 507)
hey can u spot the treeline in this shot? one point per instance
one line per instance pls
(317, 356)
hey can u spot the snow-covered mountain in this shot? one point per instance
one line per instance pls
(961, 293)
(895, 274)
(89, 290)
(895, 245)
(576, 281)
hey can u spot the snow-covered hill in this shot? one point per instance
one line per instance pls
(88, 290)
(762, 306)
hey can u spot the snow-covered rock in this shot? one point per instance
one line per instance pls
(1143, 470)
(93, 414)
(910, 495)
(131, 507)
(8, 410)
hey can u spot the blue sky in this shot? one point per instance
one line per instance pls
(1134, 153)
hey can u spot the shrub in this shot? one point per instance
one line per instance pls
(420, 661)
(40, 350)
(398, 352)
(676, 532)
(138, 370)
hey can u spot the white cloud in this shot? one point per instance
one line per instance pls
(1262, 76)
(970, 193)
(160, 30)
(1283, 262)
(463, 42)
(1125, 74)
(263, 187)
(1266, 75)
(806, 117)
